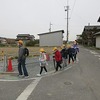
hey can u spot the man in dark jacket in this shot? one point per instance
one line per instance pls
(21, 60)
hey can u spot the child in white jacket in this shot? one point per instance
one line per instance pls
(42, 60)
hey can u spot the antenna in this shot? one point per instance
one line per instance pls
(50, 27)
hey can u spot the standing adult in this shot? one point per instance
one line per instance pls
(58, 58)
(21, 60)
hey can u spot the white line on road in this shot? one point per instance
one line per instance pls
(21, 79)
(93, 52)
(97, 55)
(26, 93)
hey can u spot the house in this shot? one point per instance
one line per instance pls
(88, 35)
(11, 41)
(79, 39)
(54, 38)
(3, 40)
(7, 41)
(25, 37)
(97, 35)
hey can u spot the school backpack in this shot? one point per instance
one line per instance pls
(26, 52)
(47, 57)
(64, 52)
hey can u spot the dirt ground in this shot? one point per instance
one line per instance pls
(32, 50)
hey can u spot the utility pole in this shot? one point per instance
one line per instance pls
(67, 10)
(50, 27)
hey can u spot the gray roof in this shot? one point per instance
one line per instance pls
(52, 32)
(92, 27)
(98, 33)
(23, 35)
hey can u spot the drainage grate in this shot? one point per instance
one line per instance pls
(68, 83)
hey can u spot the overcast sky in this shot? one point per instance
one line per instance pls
(34, 16)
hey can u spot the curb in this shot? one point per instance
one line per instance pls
(9, 73)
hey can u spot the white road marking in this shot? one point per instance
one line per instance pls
(93, 52)
(10, 80)
(97, 55)
(26, 93)
(68, 68)
(29, 89)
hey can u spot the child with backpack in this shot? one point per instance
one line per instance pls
(75, 49)
(43, 62)
(64, 53)
(70, 53)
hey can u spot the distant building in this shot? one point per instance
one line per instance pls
(7, 41)
(97, 35)
(54, 38)
(25, 37)
(88, 35)
(3, 40)
(79, 39)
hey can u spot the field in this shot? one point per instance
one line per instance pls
(13, 51)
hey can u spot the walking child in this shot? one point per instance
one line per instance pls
(70, 53)
(43, 62)
(58, 58)
(64, 53)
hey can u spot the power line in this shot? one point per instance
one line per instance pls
(73, 8)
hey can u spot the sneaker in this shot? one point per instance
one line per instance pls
(38, 74)
(45, 73)
(26, 76)
(68, 62)
(72, 62)
(55, 71)
(20, 76)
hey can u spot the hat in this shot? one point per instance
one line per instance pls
(68, 46)
(63, 45)
(42, 50)
(55, 48)
(20, 42)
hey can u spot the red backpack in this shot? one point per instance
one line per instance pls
(47, 57)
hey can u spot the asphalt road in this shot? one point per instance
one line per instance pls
(79, 81)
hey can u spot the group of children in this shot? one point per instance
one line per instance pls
(60, 57)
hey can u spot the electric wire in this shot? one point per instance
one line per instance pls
(73, 8)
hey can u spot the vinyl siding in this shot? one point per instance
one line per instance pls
(98, 41)
(53, 39)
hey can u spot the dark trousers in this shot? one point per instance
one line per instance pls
(43, 67)
(70, 57)
(21, 65)
(54, 62)
(74, 56)
(58, 65)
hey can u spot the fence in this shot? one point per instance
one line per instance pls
(4, 58)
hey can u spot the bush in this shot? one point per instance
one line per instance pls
(32, 43)
(2, 45)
